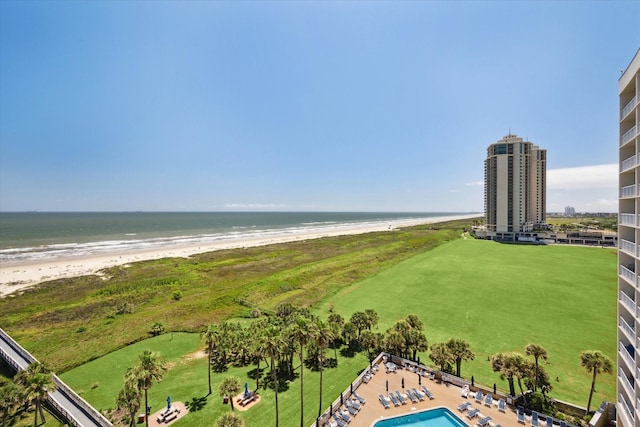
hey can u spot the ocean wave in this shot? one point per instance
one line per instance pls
(55, 251)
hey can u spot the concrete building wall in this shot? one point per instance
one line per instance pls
(628, 360)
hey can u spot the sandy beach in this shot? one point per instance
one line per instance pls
(15, 276)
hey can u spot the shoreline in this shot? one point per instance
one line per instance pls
(19, 275)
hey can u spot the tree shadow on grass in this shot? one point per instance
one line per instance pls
(196, 403)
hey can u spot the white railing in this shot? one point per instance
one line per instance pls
(628, 247)
(628, 136)
(628, 163)
(628, 191)
(627, 108)
(626, 383)
(628, 219)
(627, 301)
(628, 410)
(629, 275)
(631, 363)
(628, 329)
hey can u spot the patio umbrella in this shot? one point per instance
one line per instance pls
(351, 388)
(472, 381)
(168, 402)
(387, 386)
(341, 399)
(419, 379)
(494, 388)
(403, 382)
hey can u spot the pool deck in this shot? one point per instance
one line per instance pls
(445, 395)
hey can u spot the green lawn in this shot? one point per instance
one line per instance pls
(498, 297)
(99, 381)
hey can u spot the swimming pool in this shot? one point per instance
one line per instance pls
(440, 417)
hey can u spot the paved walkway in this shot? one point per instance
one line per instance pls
(66, 401)
(445, 395)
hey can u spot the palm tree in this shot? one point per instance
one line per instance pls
(372, 318)
(37, 381)
(460, 350)
(11, 396)
(360, 320)
(538, 352)
(301, 333)
(336, 323)
(271, 343)
(230, 419)
(129, 400)
(439, 354)
(322, 337)
(212, 338)
(596, 362)
(230, 386)
(149, 369)
(503, 363)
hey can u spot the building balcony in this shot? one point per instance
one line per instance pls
(629, 275)
(628, 108)
(628, 247)
(628, 219)
(628, 136)
(627, 410)
(628, 386)
(628, 358)
(628, 302)
(628, 191)
(629, 163)
(628, 329)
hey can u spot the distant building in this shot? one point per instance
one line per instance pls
(628, 362)
(515, 188)
(569, 211)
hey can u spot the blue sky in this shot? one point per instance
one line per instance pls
(292, 105)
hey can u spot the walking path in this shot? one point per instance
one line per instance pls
(72, 407)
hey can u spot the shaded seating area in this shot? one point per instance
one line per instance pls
(248, 398)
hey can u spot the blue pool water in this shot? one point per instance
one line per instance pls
(440, 417)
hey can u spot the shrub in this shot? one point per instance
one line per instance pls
(177, 295)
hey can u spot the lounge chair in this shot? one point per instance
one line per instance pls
(464, 406)
(340, 421)
(563, 424)
(484, 422)
(473, 413)
(401, 398)
(353, 411)
(414, 399)
(534, 419)
(344, 416)
(328, 423)
(488, 400)
(384, 401)
(502, 405)
(498, 425)
(353, 402)
(465, 391)
(549, 422)
(479, 397)
(427, 392)
(394, 399)
(521, 418)
(432, 375)
(360, 399)
(418, 394)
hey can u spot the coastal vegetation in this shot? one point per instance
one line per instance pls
(493, 297)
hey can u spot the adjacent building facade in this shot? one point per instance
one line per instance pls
(515, 187)
(628, 363)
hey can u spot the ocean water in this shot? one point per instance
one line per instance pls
(32, 236)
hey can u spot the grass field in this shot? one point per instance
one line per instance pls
(501, 297)
(497, 297)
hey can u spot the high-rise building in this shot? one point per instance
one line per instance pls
(514, 187)
(628, 363)
(569, 211)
